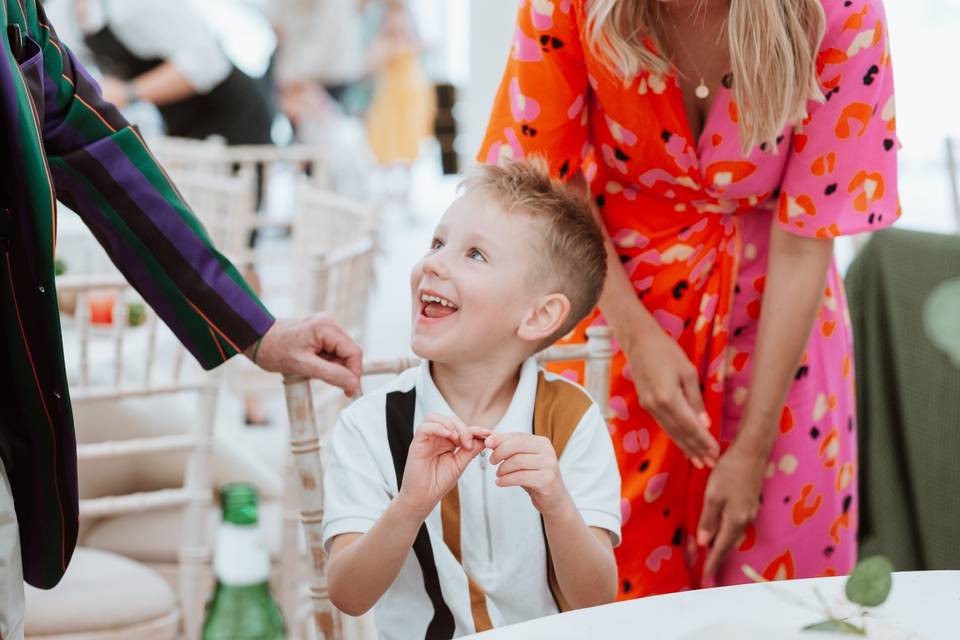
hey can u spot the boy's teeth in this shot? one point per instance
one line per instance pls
(437, 300)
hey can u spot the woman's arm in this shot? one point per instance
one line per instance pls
(796, 277)
(668, 385)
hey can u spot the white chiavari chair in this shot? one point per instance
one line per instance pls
(308, 436)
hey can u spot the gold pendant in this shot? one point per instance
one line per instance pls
(701, 91)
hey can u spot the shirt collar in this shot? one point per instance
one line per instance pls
(519, 414)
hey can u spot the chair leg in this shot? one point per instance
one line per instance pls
(195, 554)
(305, 446)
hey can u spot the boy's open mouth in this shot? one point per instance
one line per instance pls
(434, 306)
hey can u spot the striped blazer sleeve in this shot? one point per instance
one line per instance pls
(103, 170)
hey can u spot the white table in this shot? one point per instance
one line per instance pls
(922, 605)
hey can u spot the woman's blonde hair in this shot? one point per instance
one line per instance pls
(773, 50)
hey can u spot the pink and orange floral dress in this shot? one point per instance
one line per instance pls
(691, 220)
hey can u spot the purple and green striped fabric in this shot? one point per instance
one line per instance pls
(60, 140)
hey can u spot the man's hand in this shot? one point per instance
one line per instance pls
(442, 448)
(530, 462)
(315, 347)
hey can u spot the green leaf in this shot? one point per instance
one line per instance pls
(59, 267)
(836, 626)
(871, 581)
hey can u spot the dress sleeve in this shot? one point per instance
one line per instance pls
(541, 105)
(841, 177)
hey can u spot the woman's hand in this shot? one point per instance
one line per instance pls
(730, 503)
(668, 387)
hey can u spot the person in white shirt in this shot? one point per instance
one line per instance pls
(449, 529)
(164, 52)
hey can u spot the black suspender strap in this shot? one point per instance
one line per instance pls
(400, 409)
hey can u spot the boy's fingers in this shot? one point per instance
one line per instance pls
(513, 444)
(436, 430)
(524, 478)
(521, 462)
(480, 432)
(465, 438)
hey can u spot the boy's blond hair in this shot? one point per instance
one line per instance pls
(574, 257)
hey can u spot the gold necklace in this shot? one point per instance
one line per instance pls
(702, 91)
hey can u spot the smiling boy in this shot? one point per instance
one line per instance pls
(449, 529)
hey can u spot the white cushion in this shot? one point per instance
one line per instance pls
(153, 416)
(103, 593)
(155, 536)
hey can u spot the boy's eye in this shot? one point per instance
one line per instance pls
(435, 244)
(476, 254)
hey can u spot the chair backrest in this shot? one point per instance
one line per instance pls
(270, 168)
(117, 348)
(307, 439)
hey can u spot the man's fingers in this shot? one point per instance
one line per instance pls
(729, 533)
(331, 373)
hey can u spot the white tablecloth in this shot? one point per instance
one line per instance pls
(921, 605)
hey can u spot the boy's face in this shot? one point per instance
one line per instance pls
(473, 287)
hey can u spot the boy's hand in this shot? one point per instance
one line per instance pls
(530, 462)
(442, 448)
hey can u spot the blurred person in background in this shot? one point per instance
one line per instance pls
(320, 70)
(165, 53)
(403, 107)
(320, 49)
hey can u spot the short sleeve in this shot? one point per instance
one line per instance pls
(174, 31)
(841, 176)
(589, 469)
(355, 492)
(541, 105)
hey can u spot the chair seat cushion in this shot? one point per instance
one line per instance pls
(103, 593)
(155, 536)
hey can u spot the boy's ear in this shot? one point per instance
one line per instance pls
(549, 314)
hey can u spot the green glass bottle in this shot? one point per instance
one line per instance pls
(241, 607)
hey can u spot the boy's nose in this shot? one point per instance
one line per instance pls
(436, 264)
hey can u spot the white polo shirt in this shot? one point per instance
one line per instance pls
(481, 558)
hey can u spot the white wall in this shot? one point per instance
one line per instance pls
(491, 31)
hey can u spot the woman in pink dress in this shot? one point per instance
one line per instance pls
(726, 144)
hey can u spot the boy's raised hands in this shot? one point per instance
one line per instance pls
(442, 448)
(530, 462)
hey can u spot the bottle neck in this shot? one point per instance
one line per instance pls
(240, 557)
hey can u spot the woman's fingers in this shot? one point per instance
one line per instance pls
(686, 429)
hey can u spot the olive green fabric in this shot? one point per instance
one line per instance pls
(908, 401)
